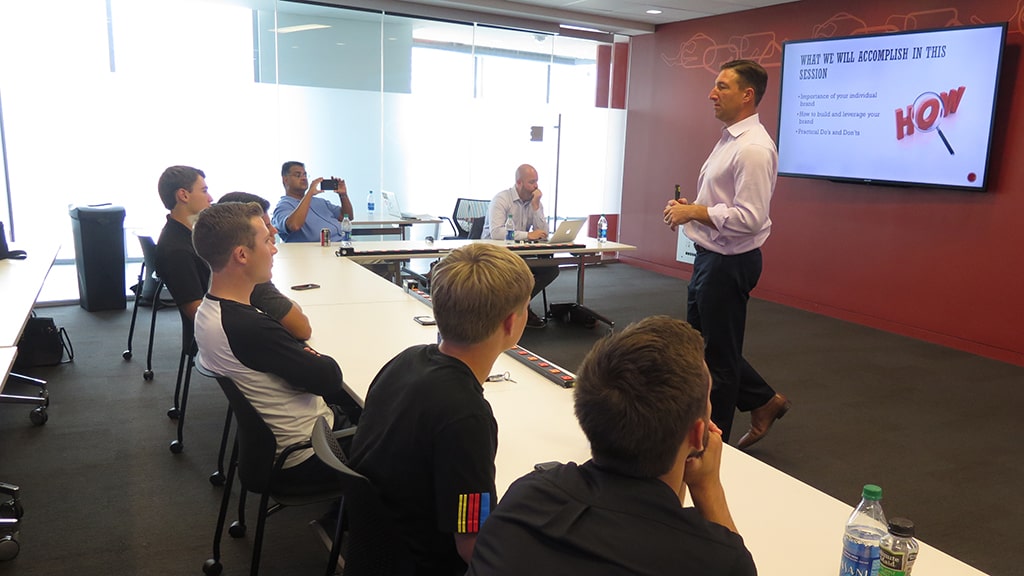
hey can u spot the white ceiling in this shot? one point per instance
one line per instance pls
(626, 17)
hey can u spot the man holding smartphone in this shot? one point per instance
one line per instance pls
(300, 214)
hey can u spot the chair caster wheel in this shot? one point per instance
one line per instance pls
(237, 529)
(39, 416)
(12, 509)
(176, 447)
(147, 375)
(217, 478)
(172, 413)
(45, 395)
(212, 567)
(9, 548)
(127, 354)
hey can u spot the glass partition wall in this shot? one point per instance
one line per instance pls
(117, 90)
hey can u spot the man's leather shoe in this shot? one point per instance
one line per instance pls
(761, 420)
(534, 321)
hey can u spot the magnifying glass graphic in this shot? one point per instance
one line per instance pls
(928, 113)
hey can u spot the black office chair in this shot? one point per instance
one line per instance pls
(253, 458)
(157, 302)
(468, 223)
(468, 219)
(373, 548)
(185, 364)
(217, 478)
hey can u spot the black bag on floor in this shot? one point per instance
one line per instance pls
(43, 344)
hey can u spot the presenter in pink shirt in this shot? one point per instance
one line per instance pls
(728, 222)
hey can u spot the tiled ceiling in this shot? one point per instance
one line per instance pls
(627, 17)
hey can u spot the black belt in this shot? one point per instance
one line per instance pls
(700, 250)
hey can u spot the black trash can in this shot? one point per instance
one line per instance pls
(99, 249)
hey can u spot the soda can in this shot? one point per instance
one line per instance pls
(325, 236)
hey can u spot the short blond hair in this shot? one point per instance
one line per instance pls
(475, 288)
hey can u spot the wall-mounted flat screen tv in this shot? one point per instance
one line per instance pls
(908, 108)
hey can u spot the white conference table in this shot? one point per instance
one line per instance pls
(406, 249)
(380, 224)
(583, 252)
(340, 279)
(7, 356)
(20, 283)
(787, 525)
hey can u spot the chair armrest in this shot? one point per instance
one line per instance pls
(308, 443)
(345, 432)
(455, 230)
(288, 450)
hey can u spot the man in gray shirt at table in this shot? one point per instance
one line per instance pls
(522, 201)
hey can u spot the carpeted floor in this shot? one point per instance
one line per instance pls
(936, 428)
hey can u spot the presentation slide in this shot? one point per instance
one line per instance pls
(912, 108)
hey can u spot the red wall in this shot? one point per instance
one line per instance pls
(943, 266)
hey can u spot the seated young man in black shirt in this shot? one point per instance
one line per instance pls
(184, 192)
(642, 398)
(427, 437)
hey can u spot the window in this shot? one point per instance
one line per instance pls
(117, 90)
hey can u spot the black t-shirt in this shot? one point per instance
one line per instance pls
(187, 276)
(269, 299)
(427, 440)
(184, 273)
(585, 520)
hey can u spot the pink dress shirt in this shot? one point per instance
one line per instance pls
(736, 185)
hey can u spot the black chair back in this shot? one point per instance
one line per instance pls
(468, 218)
(253, 458)
(477, 230)
(149, 259)
(257, 445)
(188, 335)
(374, 548)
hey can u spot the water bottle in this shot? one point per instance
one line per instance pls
(898, 549)
(346, 232)
(510, 229)
(602, 229)
(863, 536)
(370, 206)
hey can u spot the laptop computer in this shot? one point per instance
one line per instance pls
(389, 201)
(566, 232)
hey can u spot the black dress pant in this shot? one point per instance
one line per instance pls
(542, 276)
(716, 306)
